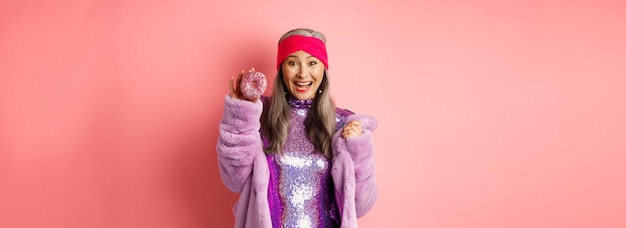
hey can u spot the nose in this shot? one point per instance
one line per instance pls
(302, 71)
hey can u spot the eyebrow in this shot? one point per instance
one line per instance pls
(297, 56)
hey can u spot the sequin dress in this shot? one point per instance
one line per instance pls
(301, 192)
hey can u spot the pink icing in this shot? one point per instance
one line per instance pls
(253, 84)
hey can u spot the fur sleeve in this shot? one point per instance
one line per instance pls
(239, 141)
(359, 151)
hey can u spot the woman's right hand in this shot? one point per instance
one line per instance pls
(235, 89)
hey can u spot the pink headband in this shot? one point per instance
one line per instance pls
(311, 45)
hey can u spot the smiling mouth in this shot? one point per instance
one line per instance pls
(303, 86)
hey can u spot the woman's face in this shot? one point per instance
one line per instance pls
(302, 74)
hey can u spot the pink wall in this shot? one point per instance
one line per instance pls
(491, 114)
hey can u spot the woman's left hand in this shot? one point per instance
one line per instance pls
(354, 128)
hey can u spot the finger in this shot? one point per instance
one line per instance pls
(252, 69)
(346, 129)
(355, 124)
(359, 130)
(347, 133)
(231, 86)
(239, 77)
(356, 127)
(238, 84)
(353, 132)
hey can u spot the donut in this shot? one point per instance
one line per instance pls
(253, 84)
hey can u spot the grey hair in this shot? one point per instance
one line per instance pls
(320, 121)
(303, 32)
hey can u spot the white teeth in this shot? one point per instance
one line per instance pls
(304, 83)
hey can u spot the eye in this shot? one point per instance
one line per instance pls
(292, 63)
(312, 63)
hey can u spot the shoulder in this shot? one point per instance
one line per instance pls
(341, 116)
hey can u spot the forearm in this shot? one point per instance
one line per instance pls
(361, 149)
(359, 152)
(239, 141)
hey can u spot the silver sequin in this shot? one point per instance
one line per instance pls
(304, 179)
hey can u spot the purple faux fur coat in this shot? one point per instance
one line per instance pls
(243, 166)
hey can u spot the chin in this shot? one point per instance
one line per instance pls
(303, 96)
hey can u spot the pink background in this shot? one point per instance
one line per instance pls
(491, 114)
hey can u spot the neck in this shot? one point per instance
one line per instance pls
(295, 103)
